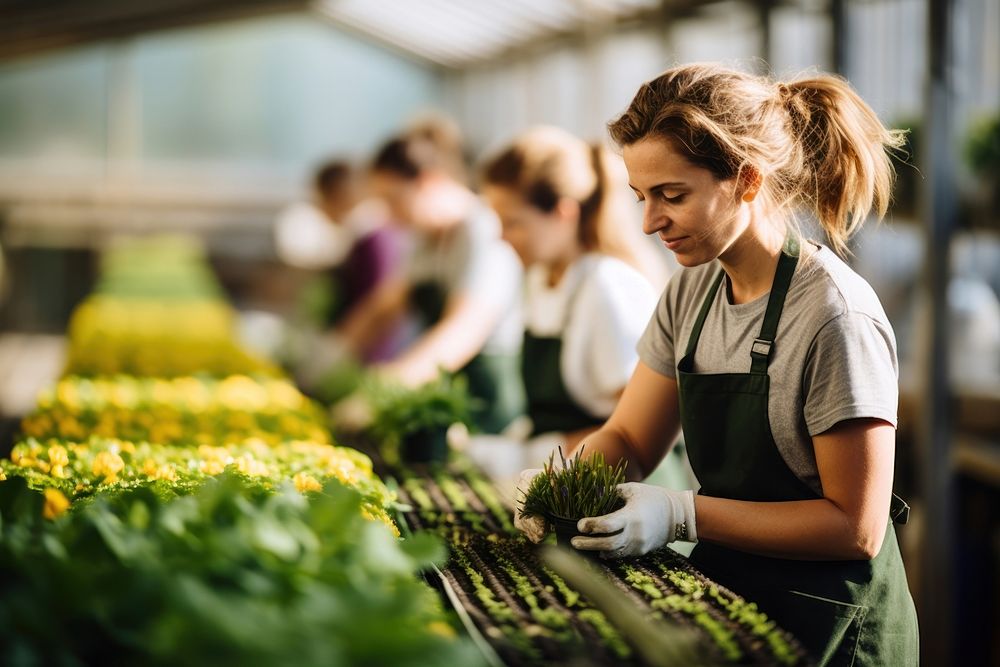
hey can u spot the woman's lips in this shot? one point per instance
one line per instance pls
(673, 244)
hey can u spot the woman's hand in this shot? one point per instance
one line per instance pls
(534, 527)
(652, 516)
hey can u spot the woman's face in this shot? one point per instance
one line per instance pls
(536, 236)
(695, 215)
(399, 194)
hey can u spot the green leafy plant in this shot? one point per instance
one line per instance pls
(232, 574)
(982, 147)
(574, 488)
(399, 411)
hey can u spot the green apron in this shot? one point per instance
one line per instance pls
(843, 612)
(550, 406)
(494, 379)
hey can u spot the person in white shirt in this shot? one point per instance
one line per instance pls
(461, 280)
(587, 300)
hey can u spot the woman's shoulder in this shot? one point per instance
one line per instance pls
(688, 286)
(610, 276)
(832, 288)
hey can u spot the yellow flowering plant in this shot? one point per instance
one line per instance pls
(81, 469)
(182, 410)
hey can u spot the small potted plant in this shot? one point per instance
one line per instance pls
(568, 490)
(417, 420)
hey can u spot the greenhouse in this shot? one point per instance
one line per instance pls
(441, 333)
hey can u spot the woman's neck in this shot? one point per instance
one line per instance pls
(557, 268)
(750, 262)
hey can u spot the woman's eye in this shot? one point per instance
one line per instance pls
(676, 199)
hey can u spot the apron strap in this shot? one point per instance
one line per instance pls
(702, 314)
(760, 350)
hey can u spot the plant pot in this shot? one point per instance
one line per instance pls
(425, 446)
(565, 530)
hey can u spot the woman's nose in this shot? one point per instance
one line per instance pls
(652, 220)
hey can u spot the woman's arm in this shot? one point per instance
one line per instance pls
(644, 425)
(451, 343)
(368, 320)
(855, 462)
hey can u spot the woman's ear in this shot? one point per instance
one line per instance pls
(748, 183)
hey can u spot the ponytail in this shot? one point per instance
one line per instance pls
(546, 164)
(814, 141)
(845, 170)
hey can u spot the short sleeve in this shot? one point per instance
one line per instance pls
(599, 350)
(851, 372)
(493, 273)
(656, 346)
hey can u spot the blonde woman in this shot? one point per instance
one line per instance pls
(774, 357)
(587, 296)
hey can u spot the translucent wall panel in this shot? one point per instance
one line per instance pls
(53, 107)
(558, 86)
(289, 91)
(727, 32)
(801, 39)
(887, 55)
(625, 61)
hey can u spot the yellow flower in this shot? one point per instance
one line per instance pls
(149, 468)
(166, 472)
(55, 504)
(212, 467)
(58, 456)
(3, 475)
(108, 465)
(248, 465)
(375, 514)
(306, 482)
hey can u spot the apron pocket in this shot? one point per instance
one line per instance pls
(829, 629)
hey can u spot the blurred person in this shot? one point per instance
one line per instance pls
(346, 238)
(586, 299)
(443, 133)
(774, 357)
(462, 280)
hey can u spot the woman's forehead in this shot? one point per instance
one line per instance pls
(654, 161)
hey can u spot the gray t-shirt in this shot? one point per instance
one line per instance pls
(834, 355)
(472, 258)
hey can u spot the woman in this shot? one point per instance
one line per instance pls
(773, 356)
(585, 300)
(461, 279)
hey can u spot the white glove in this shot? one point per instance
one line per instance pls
(652, 516)
(353, 413)
(532, 526)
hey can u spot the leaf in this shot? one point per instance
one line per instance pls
(425, 549)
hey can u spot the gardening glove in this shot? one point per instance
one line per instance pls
(352, 414)
(499, 457)
(652, 516)
(532, 526)
(537, 450)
